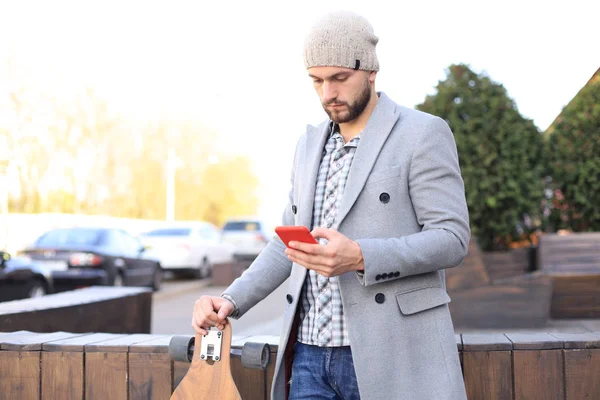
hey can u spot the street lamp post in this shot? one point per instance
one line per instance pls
(4, 201)
(171, 169)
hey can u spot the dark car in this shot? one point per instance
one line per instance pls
(86, 256)
(21, 278)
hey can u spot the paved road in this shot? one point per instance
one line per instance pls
(172, 309)
(172, 312)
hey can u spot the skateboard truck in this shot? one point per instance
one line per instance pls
(253, 355)
(211, 345)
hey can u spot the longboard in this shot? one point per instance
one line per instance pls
(209, 376)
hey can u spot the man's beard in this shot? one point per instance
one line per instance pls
(352, 111)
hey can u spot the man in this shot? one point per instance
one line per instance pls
(380, 185)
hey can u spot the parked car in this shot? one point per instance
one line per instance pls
(190, 247)
(248, 235)
(21, 278)
(85, 256)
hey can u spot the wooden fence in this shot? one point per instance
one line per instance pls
(63, 365)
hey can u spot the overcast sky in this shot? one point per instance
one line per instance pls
(237, 67)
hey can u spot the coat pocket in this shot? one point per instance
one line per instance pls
(422, 299)
(383, 174)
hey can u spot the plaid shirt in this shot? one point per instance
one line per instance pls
(308, 332)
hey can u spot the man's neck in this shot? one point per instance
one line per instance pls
(349, 130)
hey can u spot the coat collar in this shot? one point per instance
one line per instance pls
(380, 124)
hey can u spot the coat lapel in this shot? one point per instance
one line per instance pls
(380, 124)
(315, 142)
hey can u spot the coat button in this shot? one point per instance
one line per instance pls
(396, 274)
(384, 198)
(289, 298)
(294, 209)
(377, 277)
(380, 298)
(384, 276)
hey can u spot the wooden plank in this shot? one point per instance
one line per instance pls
(506, 264)
(251, 383)
(538, 374)
(106, 362)
(156, 344)
(179, 370)
(119, 344)
(63, 372)
(150, 368)
(577, 252)
(271, 370)
(8, 335)
(587, 340)
(34, 342)
(78, 343)
(485, 342)
(100, 309)
(488, 375)
(19, 375)
(62, 375)
(534, 341)
(582, 372)
(149, 376)
(105, 376)
(520, 303)
(459, 342)
(576, 296)
(469, 274)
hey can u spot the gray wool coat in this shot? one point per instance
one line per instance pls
(404, 203)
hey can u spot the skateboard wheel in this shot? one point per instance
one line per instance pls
(256, 355)
(181, 348)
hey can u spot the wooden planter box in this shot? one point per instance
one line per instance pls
(225, 274)
(63, 365)
(93, 309)
(510, 263)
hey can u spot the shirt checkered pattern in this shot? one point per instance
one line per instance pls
(309, 332)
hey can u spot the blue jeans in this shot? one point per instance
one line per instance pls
(323, 373)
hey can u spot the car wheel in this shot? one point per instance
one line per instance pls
(204, 270)
(157, 278)
(118, 281)
(37, 289)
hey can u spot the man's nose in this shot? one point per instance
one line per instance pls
(329, 92)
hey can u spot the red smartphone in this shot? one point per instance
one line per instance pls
(295, 233)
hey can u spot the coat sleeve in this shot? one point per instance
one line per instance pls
(438, 197)
(269, 270)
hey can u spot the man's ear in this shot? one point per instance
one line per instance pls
(372, 76)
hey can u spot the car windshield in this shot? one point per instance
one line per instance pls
(249, 226)
(70, 237)
(169, 232)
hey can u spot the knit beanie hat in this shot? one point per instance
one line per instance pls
(341, 39)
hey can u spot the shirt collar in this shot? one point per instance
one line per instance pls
(334, 129)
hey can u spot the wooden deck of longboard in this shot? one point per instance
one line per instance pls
(209, 379)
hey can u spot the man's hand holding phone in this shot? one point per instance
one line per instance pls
(338, 256)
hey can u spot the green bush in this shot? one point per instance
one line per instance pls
(573, 152)
(500, 155)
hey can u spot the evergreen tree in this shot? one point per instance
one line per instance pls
(573, 151)
(500, 155)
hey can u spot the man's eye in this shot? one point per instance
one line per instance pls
(317, 81)
(341, 78)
